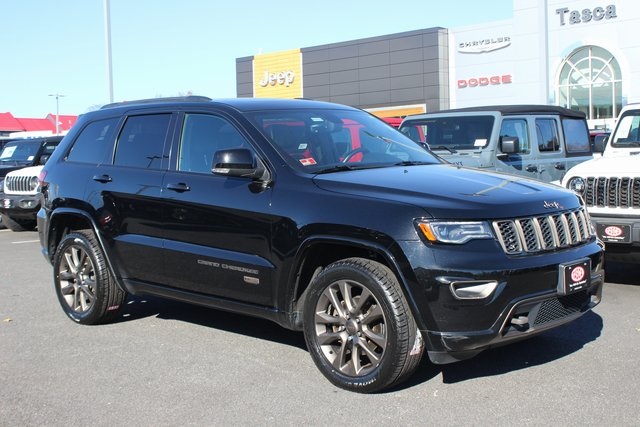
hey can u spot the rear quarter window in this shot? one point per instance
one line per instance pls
(576, 136)
(94, 144)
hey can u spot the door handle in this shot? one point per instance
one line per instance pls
(102, 178)
(560, 166)
(180, 187)
(531, 168)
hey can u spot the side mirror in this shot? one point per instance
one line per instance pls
(238, 162)
(599, 143)
(509, 145)
(43, 159)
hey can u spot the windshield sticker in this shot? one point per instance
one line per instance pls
(480, 142)
(30, 158)
(8, 152)
(308, 161)
(302, 146)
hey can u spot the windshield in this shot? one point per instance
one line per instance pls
(327, 140)
(450, 133)
(19, 151)
(627, 133)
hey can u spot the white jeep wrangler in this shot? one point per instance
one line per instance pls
(610, 187)
(20, 198)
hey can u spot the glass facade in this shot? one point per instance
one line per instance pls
(590, 81)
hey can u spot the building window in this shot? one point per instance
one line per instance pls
(590, 81)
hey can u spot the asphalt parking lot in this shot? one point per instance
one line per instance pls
(168, 364)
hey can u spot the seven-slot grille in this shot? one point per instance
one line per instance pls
(615, 192)
(543, 233)
(18, 184)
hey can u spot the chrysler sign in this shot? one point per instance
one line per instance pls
(484, 45)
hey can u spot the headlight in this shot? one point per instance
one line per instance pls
(34, 183)
(576, 184)
(455, 232)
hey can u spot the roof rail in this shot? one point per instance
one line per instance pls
(190, 98)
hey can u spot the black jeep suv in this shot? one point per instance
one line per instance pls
(319, 217)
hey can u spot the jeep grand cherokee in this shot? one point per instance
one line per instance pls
(319, 217)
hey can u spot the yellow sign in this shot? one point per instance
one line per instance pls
(278, 75)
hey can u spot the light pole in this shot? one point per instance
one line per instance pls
(107, 41)
(58, 96)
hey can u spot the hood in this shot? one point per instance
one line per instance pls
(625, 165)
(450, 192)
(4, 170)
(28, 171)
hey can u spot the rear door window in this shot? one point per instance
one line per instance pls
(547, 135)
(141, 142)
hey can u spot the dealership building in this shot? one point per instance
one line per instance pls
(579, 54)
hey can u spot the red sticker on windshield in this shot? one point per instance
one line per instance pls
(308, 162)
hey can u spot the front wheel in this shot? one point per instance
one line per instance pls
(86, 289)
(358, 326)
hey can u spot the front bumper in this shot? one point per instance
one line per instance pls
(19, 206)
(621, 236)
(526, 318)
(528, 297)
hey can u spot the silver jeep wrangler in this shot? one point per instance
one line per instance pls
(536, 141)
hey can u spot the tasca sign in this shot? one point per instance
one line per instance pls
(278, 75)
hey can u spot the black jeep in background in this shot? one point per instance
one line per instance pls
(319, 217)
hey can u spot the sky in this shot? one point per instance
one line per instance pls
(175, 47)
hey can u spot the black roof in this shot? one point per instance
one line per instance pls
(241, 104)
(519, 109)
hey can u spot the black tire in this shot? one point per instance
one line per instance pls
(18, 224)
(359, 328)
(86, 289)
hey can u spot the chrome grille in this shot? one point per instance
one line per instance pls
(616, 192)
(543, 233)
(18, 184)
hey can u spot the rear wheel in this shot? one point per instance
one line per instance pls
(86, 290)
(358, 326)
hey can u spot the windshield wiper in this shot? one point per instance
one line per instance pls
(444, 147)
(412, 163)
(336, 168)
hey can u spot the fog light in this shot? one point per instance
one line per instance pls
(473, 289)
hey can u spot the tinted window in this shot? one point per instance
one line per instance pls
(516, 128)
(547, 135)
(576, 135)
(202, 136)
(141, 141)
(94, 144)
